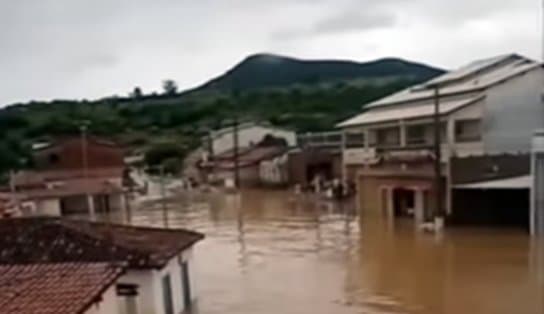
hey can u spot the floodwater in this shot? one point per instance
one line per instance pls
(272, 252)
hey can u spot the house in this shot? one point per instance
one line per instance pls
(158, 264)
(220, 141)
(259, 164)
(317, 154)
(60, 288)
(489, 107)
(74, 175)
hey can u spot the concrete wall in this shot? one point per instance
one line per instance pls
(150, 294)
(274, 171)
(48, 207)
(108, 304)
(249, 136)
(513, 111)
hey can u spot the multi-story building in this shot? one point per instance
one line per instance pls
(487, 108)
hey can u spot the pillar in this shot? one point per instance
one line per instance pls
(90, 206)
(537, 188)
(387, 199)
(419, 206)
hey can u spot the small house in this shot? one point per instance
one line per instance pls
(158, 274)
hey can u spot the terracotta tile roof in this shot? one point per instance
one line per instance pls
(32, 240)
(72, 188)
(30, 177)
(65, 288)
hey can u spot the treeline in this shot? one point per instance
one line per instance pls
(140, 121)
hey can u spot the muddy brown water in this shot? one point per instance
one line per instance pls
(272, 252)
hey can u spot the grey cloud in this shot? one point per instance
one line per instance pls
(86, 49)
(354, 21)
(340, 23)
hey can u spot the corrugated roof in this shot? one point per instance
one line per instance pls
(408, 112)
(516, 183)
(470, 79)
(64, 288)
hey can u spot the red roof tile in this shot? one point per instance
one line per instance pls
(72, 188)
(64, 288)
(34, 240)
(29, 177)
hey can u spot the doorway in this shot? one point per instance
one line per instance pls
(403, 202)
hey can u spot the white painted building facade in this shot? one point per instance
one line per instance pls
(249, 134)
(170, 289)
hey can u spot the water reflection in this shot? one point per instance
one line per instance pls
(272, 252)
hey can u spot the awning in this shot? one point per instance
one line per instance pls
(515, 183)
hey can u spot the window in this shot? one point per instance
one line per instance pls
(415, 135)
(388, 137)
(333, 138)
(167, 295)
(468, 130)
(128, 294)
(355, 140)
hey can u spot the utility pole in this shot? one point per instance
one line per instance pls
(85, 165)
(438, 212)
(235, 153)
(163, 196)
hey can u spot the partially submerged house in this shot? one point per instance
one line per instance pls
(489, 107)
(256, 165)
(60, 288)
(73, 175)
(317, 155)
(158, 272)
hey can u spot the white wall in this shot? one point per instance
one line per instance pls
(150, 295)
(146, 293)
(48, 207)
(108, 304)
(248, 136)
(513, 111)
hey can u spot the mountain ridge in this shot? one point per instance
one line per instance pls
(262, 70)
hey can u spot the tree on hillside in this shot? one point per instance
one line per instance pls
(169, 87)
(136, 93)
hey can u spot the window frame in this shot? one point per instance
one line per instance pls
(459, 138)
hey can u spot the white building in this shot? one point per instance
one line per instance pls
(249, 134)
(158, 273)
(488, 107)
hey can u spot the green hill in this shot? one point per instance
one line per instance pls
(268, 70)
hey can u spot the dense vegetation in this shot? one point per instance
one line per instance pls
(141, 121)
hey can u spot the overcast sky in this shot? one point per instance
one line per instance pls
(94, 48)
